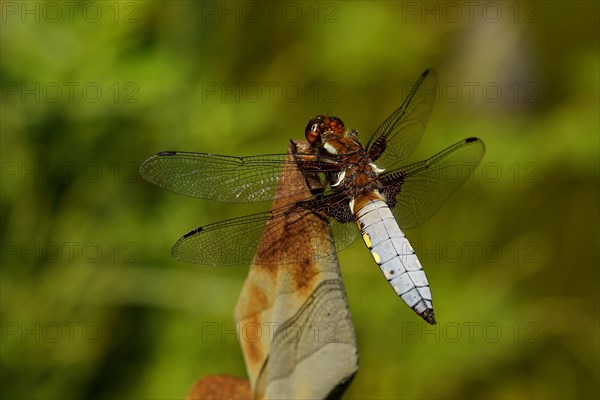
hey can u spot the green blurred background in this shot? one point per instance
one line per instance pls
(94, 307)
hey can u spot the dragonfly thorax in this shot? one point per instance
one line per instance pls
(360, 176)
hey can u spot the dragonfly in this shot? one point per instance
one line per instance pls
(351, 188)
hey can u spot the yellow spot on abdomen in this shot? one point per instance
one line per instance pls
(367, 239)
(376, 257)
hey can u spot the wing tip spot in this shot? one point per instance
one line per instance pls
(192, 232)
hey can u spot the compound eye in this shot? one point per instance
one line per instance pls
(313, 129)
(336, 125)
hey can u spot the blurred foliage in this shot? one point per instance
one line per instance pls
(92, 304)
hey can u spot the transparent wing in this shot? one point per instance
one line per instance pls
(286, 235)
(417, 191)
(400, 134)
(221, 178)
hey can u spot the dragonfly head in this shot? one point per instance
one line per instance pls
(321, 127)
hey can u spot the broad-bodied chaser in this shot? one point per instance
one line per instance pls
(349, 184)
